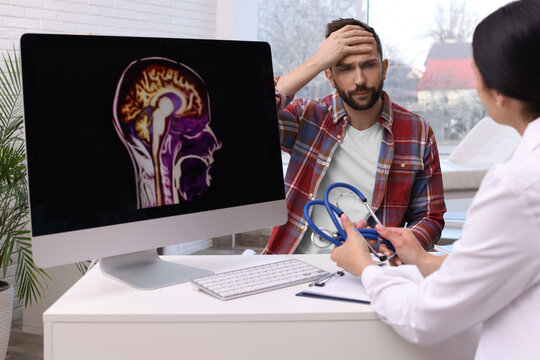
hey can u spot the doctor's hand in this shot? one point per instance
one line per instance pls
(407, 247)
(353, 256)
(383, 249)
(349, 40)
(395, 260)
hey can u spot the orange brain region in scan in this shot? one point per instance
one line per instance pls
(161, 113)
(155, 81)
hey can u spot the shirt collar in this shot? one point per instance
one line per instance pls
(386, 117)
(530, 139)
(338, 110)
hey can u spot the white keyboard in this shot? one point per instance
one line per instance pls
(258, 279)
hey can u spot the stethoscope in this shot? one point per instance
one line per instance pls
(340, 236)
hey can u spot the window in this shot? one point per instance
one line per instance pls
(427, 43)
(429, 49)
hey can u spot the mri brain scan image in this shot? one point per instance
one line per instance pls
(162, 115)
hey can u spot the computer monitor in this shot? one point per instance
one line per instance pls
(139, 143)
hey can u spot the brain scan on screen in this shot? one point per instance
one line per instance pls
(162, 115)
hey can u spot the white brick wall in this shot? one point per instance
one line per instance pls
(149, 18)
(152, 18)
(187, 248)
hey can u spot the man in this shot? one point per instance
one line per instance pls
(356, 136)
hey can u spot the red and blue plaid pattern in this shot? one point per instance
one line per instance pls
(408, 187)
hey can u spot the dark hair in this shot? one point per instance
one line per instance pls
(506, 50)
(339, 23)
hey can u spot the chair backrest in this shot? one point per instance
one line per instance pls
(487, 143)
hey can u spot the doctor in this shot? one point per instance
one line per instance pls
(493, 275)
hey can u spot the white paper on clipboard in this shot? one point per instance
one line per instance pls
(343, 288)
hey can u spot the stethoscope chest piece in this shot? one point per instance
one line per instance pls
(320, 242)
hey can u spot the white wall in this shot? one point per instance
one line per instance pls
(236, 19)
(152, 18)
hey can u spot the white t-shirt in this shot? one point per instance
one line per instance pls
(354, 162)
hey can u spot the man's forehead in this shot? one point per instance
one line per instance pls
(359, 59)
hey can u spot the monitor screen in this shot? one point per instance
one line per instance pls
(136, 143)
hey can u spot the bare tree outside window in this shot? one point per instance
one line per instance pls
(294, 29)
(446, 92)
(443, 92)
(453, 21)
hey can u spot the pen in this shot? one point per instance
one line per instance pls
(326, 278)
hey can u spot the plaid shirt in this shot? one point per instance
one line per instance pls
(408, 185)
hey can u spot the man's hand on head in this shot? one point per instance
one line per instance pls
(349, 40)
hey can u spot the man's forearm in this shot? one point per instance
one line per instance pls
(290, 83)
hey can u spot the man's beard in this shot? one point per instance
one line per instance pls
(350, 100)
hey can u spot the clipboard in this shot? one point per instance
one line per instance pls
(444, 249)
(343, 288)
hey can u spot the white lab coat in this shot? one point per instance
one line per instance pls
(491, 278)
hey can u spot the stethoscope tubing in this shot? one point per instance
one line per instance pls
(332, 209)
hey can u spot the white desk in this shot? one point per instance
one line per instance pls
(100, 318)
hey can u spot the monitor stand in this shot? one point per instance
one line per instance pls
(145, 270)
